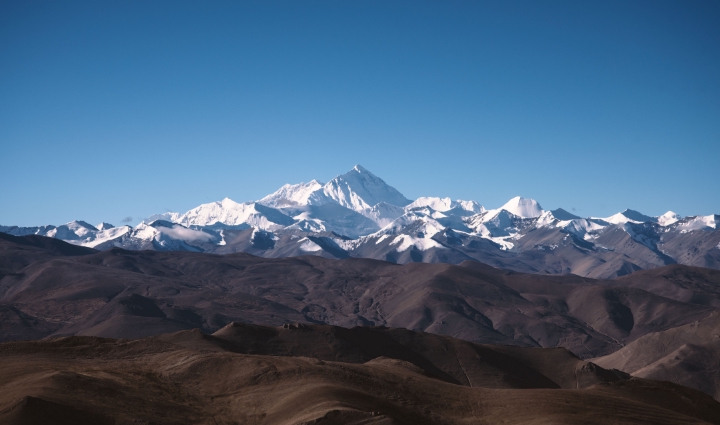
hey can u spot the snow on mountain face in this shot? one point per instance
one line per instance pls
(405, 242)
(445, 204)
(172, 237)
(359, 190)
(582, 227)
(230, 213)
(493, 223)
(470, 206)
(168, 216)
(668, 218)
(383, 213)
(309, 246)
(106, 235)
(24, 231)
(414, 229)
(370, 218)
(75, 230)
(420, 224)
(547, 218)
(178, 232)
(167, 236)
(438, 204)
(332, 217)
(700, 222)
(631, 216)
(523, 207)
(291, 195)
(310, 225)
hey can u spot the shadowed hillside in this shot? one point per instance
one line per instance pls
(131, 294)
(379, 376)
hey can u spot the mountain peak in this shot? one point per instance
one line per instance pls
(359, 190)
(231, 213)
(668, 218)
(360, 172)
(291, 195)
(563, 215)
(104, 226)
(228, 203)
(629, 215)
(79, 223)
(523, 207)
(436, 203)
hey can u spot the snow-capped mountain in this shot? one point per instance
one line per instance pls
(668, 218)
(522, 207)
(292, 195)
(228, 213)
(445, 204)
(384, 213)
(630, 216)
(331, 217)
(104, 226)
(357, 214)
(75, 230)
(360, 190)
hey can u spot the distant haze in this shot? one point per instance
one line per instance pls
(117, 110)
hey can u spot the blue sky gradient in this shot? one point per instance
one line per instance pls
(117, 109)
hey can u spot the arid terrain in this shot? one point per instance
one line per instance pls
(324, 375)
(175, 337)
(372, 212)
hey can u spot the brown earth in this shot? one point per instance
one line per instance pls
(659, 324)
(133, 294)
(188, 377)
(688, 355)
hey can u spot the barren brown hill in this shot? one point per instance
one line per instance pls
(18, 252)
(682, 283)
(688, 355)
(188, 378)
(450, 359)
(131, 294)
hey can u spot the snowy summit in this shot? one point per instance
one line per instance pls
(357, 214)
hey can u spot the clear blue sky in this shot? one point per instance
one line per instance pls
(116, 109)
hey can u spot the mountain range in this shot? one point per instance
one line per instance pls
(357, 214)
